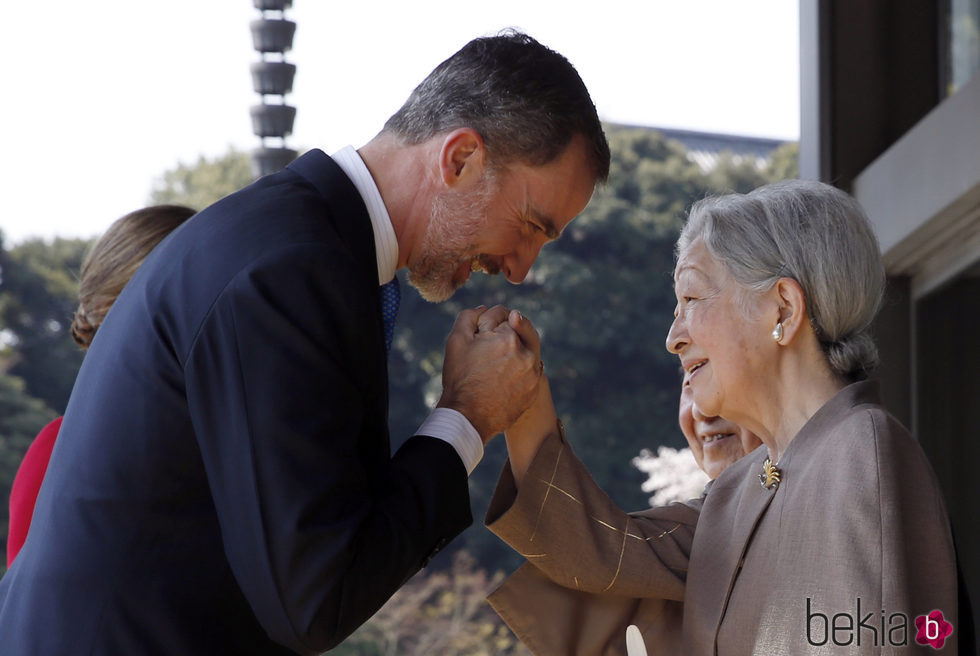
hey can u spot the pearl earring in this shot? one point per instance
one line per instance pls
(777, 332)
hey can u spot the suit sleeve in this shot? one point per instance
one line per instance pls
(568, 528)
(319, 524)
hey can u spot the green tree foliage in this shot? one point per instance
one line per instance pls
(784, 163)
(38, 297)
(200, 184)
(37, 365)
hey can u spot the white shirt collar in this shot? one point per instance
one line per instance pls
(385, 243)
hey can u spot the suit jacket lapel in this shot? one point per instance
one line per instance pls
(349, 215)
(753, 503)
(348, 212)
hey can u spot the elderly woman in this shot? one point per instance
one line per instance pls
(833, 537)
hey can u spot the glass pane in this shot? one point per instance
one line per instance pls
(964, 42)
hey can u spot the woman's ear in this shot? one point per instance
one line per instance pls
(462, 157)
(792, 310)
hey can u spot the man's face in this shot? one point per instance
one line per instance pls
(500, 223)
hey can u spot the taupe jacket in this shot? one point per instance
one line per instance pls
(850, 547)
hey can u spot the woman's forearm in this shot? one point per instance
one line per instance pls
(527, 434)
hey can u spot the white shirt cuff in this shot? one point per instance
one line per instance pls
(451, 426)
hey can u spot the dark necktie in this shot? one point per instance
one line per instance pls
(390, 296)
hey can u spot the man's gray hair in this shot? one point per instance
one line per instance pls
(810, 232)
(526, 101)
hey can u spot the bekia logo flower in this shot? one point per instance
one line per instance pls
(933, 629)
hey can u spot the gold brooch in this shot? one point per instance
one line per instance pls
(770, 475)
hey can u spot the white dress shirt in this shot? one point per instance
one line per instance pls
(443, 423)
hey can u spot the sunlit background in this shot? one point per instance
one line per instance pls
(101, 99)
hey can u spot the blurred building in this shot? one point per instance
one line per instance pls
(891, 113)
(705, 148)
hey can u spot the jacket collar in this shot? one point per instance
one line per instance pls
(348, 213)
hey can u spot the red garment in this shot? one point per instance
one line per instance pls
(27, 483)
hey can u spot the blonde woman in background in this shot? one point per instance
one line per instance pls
(107, 268)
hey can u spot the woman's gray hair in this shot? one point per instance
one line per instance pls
(810, 232)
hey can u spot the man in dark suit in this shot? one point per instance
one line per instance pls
(223, 482)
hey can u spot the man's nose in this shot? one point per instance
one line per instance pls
(518, 264)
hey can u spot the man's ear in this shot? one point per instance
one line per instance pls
(462, 157)
(792, 308)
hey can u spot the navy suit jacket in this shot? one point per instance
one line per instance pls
(223, 483)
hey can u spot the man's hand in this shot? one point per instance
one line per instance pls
(491, 370)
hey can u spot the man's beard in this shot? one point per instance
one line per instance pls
(455, 224)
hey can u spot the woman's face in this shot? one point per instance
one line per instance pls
(724, 346)
(715, 442)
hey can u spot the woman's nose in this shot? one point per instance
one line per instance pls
(677, 336)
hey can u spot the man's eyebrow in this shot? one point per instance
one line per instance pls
(546, 222)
